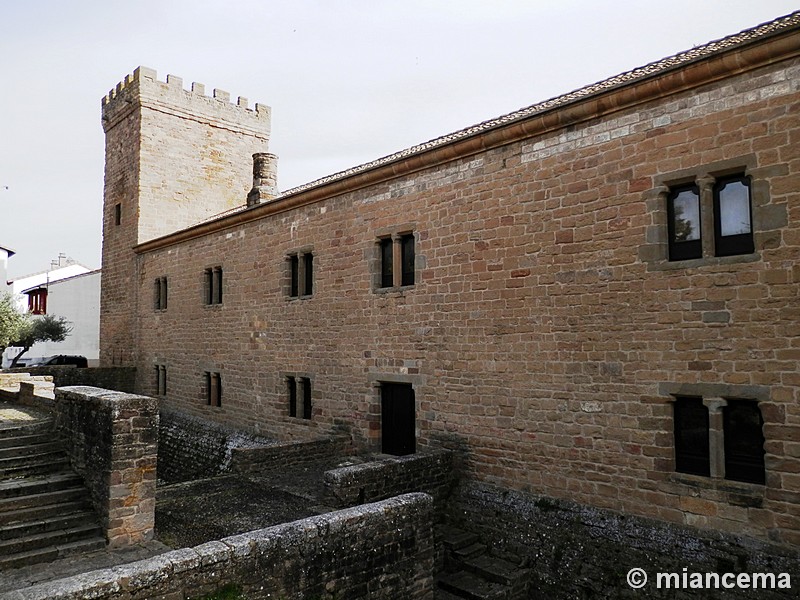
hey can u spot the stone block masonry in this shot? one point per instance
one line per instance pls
(430, 472)
(546, 336)
(112, 440)
(381, 551)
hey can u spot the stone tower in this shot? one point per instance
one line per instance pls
(173, 159)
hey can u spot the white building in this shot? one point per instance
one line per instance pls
(70, 290)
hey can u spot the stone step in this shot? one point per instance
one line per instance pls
(38, 484)
(35, 468)
(50, 553)
(48, 445)
(47, 525)
(25, 439)
(32, 428)
(43, 511)
(33, 458)
(497, 570)
(49, 538)
(26, 428)
(441, 594)
(454, 538)
(471, 551)
(9, 506)
(464, 584)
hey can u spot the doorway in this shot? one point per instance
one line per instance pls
(398, 422)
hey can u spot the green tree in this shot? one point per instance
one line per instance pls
(12, 321)
(44, 329)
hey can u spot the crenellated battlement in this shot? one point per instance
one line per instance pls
(143, 86)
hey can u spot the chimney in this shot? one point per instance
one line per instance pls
(265, 178)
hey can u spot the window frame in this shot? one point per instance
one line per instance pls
(683, 250)
(212, 286)
(737, 244)
(395, 260)
(300, 274)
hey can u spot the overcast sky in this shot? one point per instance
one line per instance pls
(348, 80)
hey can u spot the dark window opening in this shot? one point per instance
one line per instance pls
(398, 419)
(744, 441)
(301, 275)
(691, 436)
(407, 258)
(161, 380)
(308, 263)
(387, 263)
(213, 286)
(292, 385)
(306, 397)
(117, 214)
(294, 266)
(733, 225)
(160, 293)
(683, 223)
(213, 389)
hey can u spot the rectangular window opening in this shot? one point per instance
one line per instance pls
(691, 436)
(117, 214)
(294, 269)
(744, 441)
(306, 397)
(212, 285)
(733, 226)
(308, 263)
(387, 262)
(683, 223)
(213, 384)
(291, 383)
(407, 258)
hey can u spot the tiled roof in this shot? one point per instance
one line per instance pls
(655, 68)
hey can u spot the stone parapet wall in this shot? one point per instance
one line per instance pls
(431, 472)
(288, 455)
(112, 439)
(194, 448)
(381, 551)
(120, 379)
(578, 551)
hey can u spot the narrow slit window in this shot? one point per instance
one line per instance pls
(306, 397)
(213, 384)
(308, 284)
(294, 269)
(387, 263)
(291, 384)
(407, 258)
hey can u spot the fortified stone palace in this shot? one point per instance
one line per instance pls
(593, 299)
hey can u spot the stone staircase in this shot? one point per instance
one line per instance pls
(45, 510)
(471, 572)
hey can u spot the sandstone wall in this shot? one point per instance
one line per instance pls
(546, 332)
(112, 441)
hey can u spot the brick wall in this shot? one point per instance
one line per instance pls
(575, 551)
(112, 440)
(546, 332)
(373, 552)
(431, 472)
